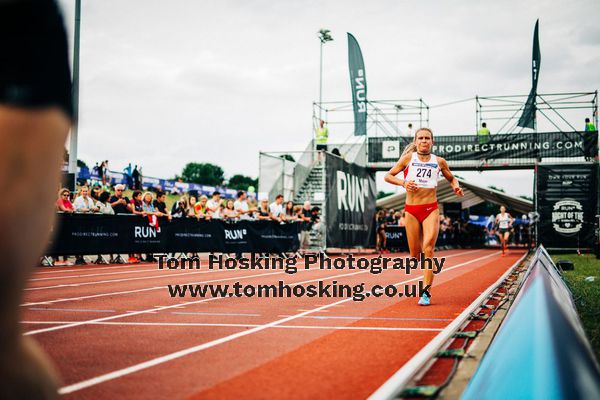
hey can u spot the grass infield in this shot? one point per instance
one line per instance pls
(586, 294)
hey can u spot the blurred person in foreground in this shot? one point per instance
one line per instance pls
(35, 116)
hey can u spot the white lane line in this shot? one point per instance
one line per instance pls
(155, 309)
(178, 354)
(216, 313)
(89, 269)
(350, 328)
(373, 318)
(162, 287)
(70, 309)
(164, 275)
(99, 274)
(154, 288)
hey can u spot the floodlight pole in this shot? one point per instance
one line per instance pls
(324, 36)
(75, 93)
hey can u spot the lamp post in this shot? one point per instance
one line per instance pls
(324, 36)
(73, 136)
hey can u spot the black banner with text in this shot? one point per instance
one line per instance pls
(79, 234)
(567, 200)
(351, 200)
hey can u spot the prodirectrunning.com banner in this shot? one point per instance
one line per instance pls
(500, 146)
(351, 196)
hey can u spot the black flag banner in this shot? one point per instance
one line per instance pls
(358, 84)
(351, 200)
(527, 119)
(567, 199)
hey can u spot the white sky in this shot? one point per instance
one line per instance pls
(166, 83)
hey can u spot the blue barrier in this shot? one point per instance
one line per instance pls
(540, 350)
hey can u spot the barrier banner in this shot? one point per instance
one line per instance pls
(396, 238)
(351, 196)
(543, 317)
(567, 198)
(80, 234)
(499, 147)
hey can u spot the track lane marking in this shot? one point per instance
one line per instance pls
(201, 324)
(181, 353)
(161, 287)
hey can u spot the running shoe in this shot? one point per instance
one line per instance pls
(424, 300)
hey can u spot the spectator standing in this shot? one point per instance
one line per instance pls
(276, 208)
(229, 211)
(589, 126)
(127, 172)
(322, 135)
(191, 211)
(214, 205)
(120, 203)
(63, 203)
(179, 209)
(391, 218)
(135, 176)
(160, 205)
(202, 211)
(483, 134)
(106, 175)
(241, 206)
(96, 190)
(305, 216)
(137, 207)
(103, 204)
(288, 212)
(84, 203)
(263, 213)
(381, 239)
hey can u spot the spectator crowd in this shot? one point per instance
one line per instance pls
(153, 205)
(455, 232)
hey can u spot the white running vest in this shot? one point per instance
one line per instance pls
(503, 221)
(425, 174)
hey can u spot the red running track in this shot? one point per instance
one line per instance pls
(115, 331)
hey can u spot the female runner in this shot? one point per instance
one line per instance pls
(503, 222)
(421, 171)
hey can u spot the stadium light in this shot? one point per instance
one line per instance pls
(324, 37)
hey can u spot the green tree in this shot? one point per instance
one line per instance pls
(382, 194)
(526, 198)
(495, 188)
(241, 182)
(203, 173)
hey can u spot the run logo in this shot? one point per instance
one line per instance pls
(351, 192)
(360, 91)
(144, 232)
(235, 234)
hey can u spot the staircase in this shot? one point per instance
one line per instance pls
(314, 183)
